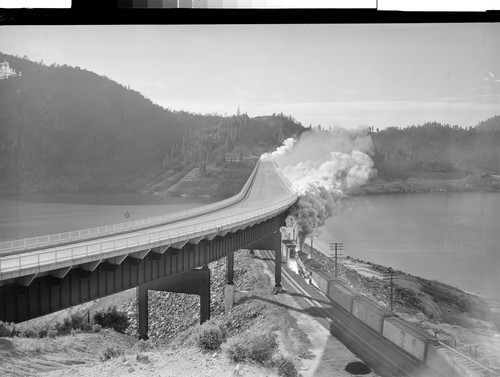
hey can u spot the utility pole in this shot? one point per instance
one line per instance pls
(336, 247)
(391, 278)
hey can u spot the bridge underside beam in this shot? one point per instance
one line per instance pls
(192, 282)
(41, 297)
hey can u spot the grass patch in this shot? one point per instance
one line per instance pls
(285, 365)
(110, 352)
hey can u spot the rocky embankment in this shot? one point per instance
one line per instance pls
(171, 313)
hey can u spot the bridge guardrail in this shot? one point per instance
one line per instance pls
(285, 180)
(27, 244)
(177, 234)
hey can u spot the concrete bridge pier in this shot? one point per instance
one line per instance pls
(231, 294)
(195, 281)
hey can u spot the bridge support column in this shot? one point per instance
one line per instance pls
(204, 294)
(277, 262)
(230, 267)
(192, 282)
(231, 294)
(142, 312)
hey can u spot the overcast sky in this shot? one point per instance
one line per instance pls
(345, 75)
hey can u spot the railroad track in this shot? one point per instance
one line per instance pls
(383, 357)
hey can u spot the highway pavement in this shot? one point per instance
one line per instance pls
(268, 192)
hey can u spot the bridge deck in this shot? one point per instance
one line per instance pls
(266, 194)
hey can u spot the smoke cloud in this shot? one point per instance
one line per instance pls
(282, 150)
(322, 166)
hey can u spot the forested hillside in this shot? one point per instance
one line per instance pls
(219, 158)
(438, 151)
(66, 128)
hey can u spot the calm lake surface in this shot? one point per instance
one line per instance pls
(451, 237)
(31, 215)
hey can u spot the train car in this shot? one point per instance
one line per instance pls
(322, 279)
(370, 313)
(408, 337)
(341, 295)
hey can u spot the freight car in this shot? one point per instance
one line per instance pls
(408, 337)
(370, 313)
(322, 279)
(340, 294)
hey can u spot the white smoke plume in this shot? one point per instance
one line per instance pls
(281, 150)
(322, 165)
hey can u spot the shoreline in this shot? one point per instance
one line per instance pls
(470, 183)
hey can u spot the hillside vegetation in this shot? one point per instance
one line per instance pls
(433, 149)
(435, 157)
(65, 128)
(218, 159)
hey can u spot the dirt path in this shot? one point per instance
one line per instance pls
(328, 356)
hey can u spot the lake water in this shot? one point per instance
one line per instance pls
(31, 215)
(451, 237)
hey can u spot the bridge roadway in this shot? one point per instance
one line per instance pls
(254, 215)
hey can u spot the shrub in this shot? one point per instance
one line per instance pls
(262, 347)
(61, 327)
(73, 322)
(28, 332)
(43, 331)
(112, 318)
(52, 333)
(286, 366)
(7, 330)
(110, 352)
(67, 323)
(235, 349)
(210, 335)
(259, 347)
(96, 328)
(85, 326)
(76, 321)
